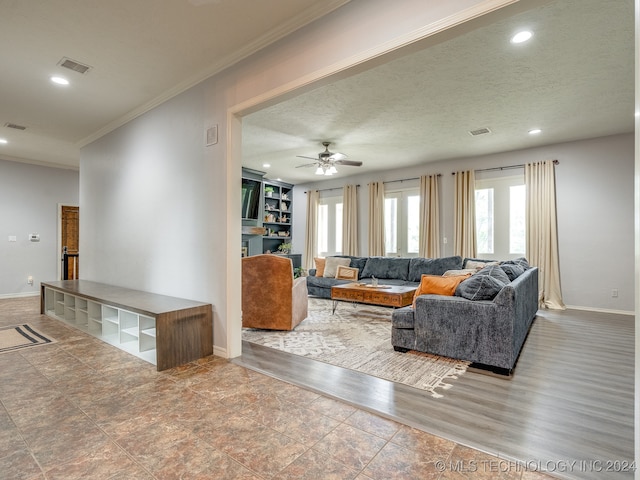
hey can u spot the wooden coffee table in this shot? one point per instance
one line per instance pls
(383, 295)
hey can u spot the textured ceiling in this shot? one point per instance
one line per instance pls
(574, 80)
(142, 52)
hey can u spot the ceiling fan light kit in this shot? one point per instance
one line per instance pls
(326, 162)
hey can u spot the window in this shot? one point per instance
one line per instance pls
(330, 226)
(500, 217)
(402, 223)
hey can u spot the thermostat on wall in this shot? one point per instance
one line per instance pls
(34, 237)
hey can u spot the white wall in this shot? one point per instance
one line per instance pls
(595, 191)
(29, 198)
(144, 198)
(160, 210)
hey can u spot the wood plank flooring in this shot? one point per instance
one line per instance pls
(570, 399)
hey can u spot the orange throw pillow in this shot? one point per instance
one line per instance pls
(438, 285)
(319, 266)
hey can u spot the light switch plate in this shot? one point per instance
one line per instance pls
(212, 135)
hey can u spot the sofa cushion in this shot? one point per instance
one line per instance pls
(419, 266)
(324, 282)
(437, 285)
(484, 285)
(523, 262)
(496, 272)
(386, 267)
(319, 261)
(512, 270)
(395, 281)
(331, 266)
(479, 287)
(359, 263)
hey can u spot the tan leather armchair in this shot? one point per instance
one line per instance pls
(271, 298)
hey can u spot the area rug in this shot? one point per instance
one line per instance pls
(16, 337)
(358, 337)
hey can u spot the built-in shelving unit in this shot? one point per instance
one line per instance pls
(164, 331)
(272, 226)
(278, 221)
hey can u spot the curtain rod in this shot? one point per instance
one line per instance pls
(509, 167)
(329, 189)
(408, 179)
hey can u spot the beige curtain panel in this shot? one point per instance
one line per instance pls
(464, 212)
(376, 219)
(429, 246)
(350, 220)
(542, 231)
(311, 234)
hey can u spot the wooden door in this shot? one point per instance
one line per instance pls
(70, 217)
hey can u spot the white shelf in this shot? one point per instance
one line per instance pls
(165, 331)
(132, 332)
(151, 332)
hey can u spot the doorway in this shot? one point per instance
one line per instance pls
(69, 242)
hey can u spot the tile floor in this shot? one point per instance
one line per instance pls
(82, 409)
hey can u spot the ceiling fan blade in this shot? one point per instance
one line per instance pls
(308, 158)
(338, 156)
(351, 163)
(306, 165)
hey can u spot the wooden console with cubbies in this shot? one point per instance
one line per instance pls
(165, 331)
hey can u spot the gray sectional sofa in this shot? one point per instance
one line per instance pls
(488, 333)
(389, 270)
(486, 322)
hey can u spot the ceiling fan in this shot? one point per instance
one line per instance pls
(327, 161)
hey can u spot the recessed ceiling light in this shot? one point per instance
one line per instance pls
(521, 36)
(60, 80)
(3, 140)
(535, 131)
(266, 165)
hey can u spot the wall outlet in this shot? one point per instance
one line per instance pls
(614, 293)
(30, 280)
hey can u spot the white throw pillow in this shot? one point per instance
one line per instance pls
(331, 266)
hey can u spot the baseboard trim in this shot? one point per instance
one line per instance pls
(19, 295)
(220, 352)
(600, 310)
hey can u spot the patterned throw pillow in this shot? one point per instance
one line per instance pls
(346, 273)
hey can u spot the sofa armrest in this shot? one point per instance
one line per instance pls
(475, 330)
